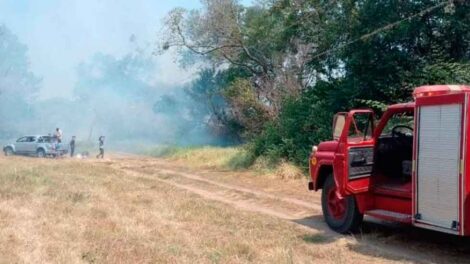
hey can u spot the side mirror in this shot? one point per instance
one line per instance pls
(339, 122)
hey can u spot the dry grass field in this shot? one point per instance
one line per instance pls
(131, 209)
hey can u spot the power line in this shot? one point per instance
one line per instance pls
(384, 28)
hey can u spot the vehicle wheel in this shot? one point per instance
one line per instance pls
(41, 153)
(8, 152)
(341, 215)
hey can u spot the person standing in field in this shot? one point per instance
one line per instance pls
(72, 146)
(101, 144)
(58, 135)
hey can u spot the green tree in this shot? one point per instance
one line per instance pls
(253, 41)
(293, 63)
(368, 53)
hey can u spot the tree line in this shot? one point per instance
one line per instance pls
(275, 73)
(271, 75)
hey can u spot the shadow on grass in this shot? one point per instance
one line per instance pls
(316, 239)
(399, 242)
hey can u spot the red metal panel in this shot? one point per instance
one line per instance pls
(323, 157)
(358, 185)
(413, 174)
(340, 170)
(315, 170)
(466, 174)
(364, 201)
(394, 204)
(441, 100)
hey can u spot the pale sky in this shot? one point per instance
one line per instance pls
(62, 33)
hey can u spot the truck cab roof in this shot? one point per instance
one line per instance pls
(434, 90)
(430, 90)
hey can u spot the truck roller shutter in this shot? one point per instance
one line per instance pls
(439, 144)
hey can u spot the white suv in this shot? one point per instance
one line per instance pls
(40, 146)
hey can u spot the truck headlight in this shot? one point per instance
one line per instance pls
(314, 149)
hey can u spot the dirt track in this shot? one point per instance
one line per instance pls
(240, 191)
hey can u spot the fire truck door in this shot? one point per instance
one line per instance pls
(438, 165)
(360, 144)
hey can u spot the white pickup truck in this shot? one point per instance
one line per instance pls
(39, 146)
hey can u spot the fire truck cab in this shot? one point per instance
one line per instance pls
(409, 167)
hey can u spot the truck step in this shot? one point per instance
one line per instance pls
(390, 216)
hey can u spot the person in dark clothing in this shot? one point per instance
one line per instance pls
(101, 143)
(72, 146)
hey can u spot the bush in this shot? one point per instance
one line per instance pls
(303, 122)
(231, 159)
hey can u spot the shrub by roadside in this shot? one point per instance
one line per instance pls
(232, 158)
(228, 158)
(303, 122)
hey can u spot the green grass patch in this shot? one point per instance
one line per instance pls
(233, 158)
(228, 158)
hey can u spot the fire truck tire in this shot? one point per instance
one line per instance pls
(341, 215)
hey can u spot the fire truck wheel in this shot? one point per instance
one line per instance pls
(341, 214)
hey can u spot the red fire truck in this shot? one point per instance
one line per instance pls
(410, 167)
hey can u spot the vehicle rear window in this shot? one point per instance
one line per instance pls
(45, 140)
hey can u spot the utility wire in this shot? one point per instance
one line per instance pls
(384, 28)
